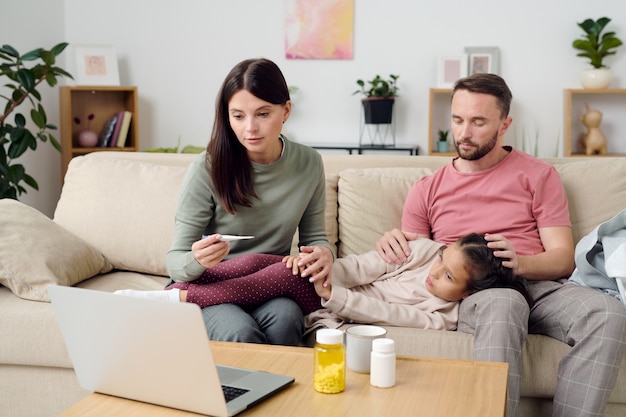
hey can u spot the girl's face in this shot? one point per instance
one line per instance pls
(448, 277)
(257, 125)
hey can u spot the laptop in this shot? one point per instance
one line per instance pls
(153, 351)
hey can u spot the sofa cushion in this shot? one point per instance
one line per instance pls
(123, 207)
(35, 252)
(370, 204)
(596, 190)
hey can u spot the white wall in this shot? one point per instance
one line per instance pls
(178, 53)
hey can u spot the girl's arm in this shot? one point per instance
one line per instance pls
(355, 270)
(356, 306)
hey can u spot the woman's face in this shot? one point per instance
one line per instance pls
(257, 124)
(448, 277)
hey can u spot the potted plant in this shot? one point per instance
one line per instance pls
(379, 95)
(16, 138)
(442, 143)
(596, 46)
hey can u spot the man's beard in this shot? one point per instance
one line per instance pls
(479, 152)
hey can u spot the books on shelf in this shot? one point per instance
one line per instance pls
(116, 132)
(123, 134)
(107, 132)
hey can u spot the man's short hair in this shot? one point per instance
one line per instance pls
(491, 84)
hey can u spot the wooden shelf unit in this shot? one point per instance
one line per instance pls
(438, 118)
(611, 102)
(103, 102)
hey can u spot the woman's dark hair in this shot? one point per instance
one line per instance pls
(491, 84)
(486, 270)
(231, 169)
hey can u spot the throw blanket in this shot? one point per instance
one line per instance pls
(601, 258)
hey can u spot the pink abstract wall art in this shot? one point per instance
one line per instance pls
(319, 29)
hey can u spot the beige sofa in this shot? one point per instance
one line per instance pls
(116, 211)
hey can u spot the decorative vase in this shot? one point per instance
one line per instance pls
(596, 78)
(87, 139)
(442, 146)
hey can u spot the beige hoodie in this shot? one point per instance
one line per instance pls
(368, 290)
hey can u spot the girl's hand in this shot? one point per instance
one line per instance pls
(291, 261)
(323, 289)
(210, 250)
(317, 262)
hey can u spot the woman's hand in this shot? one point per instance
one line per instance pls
(317, 262)
(210, 250)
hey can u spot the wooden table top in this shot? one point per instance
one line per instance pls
(424, 387)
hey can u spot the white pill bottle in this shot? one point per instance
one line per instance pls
(383, 363)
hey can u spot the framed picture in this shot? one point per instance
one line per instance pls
(96, 65)
(483, 59)
(451, 68)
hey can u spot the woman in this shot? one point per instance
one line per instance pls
(251, 181)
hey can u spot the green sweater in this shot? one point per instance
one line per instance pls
(291, 194)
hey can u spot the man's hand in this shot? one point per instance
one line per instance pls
(393, 246)
(503, 248)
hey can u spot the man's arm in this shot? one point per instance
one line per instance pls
(556, 261)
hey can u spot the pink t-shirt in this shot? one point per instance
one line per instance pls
(513, 198)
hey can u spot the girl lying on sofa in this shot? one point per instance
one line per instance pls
(424, 292)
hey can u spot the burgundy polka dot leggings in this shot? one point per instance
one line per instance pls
(249, 281)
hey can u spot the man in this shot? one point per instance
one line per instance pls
(520, 204)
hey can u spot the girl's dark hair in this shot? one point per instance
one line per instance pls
(231, 169)
(486, 270)
(491, 84)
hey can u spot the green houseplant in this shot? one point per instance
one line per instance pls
(379, 96)
(21, 83)
(596, 46)
(442, 142)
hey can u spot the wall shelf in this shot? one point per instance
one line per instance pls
(611, 102)
(438, 118)
(103, 102)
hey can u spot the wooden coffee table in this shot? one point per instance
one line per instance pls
(424, 387)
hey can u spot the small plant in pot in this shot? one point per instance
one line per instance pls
(379, 98)
(596, 46)
(442, 143)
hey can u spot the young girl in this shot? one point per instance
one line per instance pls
(424, 292)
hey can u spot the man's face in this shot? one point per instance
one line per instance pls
(477, 124)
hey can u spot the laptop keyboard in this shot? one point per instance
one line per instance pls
(230, 393)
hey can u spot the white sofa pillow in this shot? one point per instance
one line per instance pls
(125, 208)
(596, 190)
(370, 204)
(36, 252)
